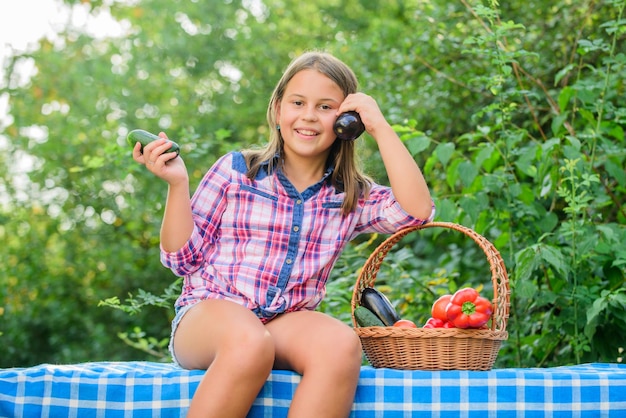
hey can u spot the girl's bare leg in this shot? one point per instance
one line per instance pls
(234, 347)
(327, 353)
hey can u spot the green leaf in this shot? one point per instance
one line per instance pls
(558, 121)
(471, 206)
(527, 161)
(525, 289)
(444, 152)
(616, 171)
(564, 98)
(554, 257)
(445, 210)
(487, 157)
(559, 76)
(418, 144)
(452, 174)
(467, 172)
(526, 261)
(617, 300)
(596, 308)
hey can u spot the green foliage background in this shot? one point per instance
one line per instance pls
(515, 111)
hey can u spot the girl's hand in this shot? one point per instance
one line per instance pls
(367, 108)
(405, 177)
(165, 165)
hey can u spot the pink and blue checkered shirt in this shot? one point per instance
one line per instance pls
(266, 246)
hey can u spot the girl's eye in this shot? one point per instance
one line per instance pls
(297, 103)
(326, 107)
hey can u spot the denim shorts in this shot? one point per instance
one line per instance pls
(180, 312)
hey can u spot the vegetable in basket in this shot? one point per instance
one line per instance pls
(378, 303)
(467, 309)
(366, 318)
(405, 323)
(437, 323)
(438, 311)
(439, 317)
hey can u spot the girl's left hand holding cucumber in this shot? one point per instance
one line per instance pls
(177, 218)
(161, 163)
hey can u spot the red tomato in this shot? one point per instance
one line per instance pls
(433, 323)
(439, 308)
(405, 323)
(437, 323)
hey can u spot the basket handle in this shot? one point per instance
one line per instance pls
(499, 276)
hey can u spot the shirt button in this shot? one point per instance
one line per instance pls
(289, 261)
(298, 202)
(296, 228)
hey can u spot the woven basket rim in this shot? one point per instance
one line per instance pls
(424, 333)
(499, 277)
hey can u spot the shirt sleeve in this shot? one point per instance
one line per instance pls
(382, 213)
(207, 206)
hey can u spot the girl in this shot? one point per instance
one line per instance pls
(258, 239)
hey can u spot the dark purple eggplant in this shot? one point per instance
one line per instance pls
(348, 126)
(378, 303)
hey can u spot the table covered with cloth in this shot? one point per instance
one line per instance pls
(147, 389)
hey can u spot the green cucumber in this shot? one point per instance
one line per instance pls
(366, 318)
(145, 137)
(378, 303)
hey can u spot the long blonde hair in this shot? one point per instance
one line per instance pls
(347, 175)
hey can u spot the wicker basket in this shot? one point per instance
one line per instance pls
(435, 348)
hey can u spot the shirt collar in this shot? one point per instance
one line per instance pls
(266, 164)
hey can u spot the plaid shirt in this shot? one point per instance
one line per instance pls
(264, 245)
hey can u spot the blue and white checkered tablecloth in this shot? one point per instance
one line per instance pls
(144, 389)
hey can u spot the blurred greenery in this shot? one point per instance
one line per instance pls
(515, 111)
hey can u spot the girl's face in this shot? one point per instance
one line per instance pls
(306, 115)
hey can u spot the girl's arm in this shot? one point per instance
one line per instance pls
(177, 225)
(406, 179)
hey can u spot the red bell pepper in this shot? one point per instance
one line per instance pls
(467, 309)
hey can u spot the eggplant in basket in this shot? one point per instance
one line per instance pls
(378, 303)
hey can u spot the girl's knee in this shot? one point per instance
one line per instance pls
(343, 352)
(249, 346)
(348, 346)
